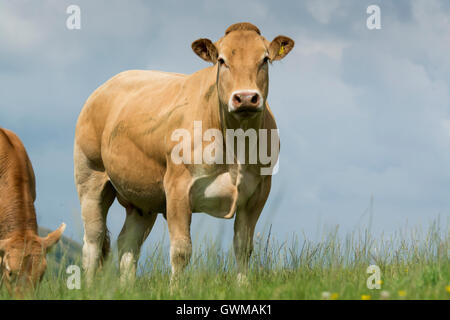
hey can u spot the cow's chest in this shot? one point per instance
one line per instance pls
(220, 193)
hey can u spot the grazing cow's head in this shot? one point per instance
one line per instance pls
(23, 261)
(242, 56)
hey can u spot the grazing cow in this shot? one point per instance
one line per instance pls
(22, 251)
(127, 133)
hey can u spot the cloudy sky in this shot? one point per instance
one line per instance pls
(363, 114)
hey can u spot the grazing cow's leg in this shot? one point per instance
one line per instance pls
(178, 212)
(244, 227)
(96, 197)
(135, 230)
(94, 209)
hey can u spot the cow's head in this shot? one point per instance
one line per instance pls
(23, 259)
(242, 57)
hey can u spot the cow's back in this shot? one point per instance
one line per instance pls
(123, 95)
(17, 180)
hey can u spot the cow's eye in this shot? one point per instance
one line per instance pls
(263, 63)
(222, 62)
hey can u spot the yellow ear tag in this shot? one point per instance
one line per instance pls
(281, 51)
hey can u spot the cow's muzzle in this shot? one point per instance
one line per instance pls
(245, 103)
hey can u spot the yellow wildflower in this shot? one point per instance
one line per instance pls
(365, 297)
(334, 296)
(402, 293)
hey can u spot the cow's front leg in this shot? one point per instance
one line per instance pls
(178, 212)
(244, 228)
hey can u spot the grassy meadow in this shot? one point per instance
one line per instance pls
(414, 265)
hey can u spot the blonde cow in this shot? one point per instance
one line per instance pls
(131, 126)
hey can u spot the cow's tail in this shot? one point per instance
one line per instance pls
(106, 247)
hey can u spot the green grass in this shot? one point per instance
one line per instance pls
(414, 263)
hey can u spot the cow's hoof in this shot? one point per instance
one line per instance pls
(176, 283)
(90, 277)
(242, 280)
(127, 280)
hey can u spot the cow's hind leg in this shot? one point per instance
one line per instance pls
(135, 230)
(96, 195)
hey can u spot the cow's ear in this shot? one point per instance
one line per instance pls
(53, 237)
(205, 49)
(280, 47)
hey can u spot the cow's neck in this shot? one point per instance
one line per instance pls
(230, 122)
(18, 215)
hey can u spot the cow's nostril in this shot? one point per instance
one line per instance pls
(246, 99)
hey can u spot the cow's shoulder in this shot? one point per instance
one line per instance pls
(12, 146)
(11, 139)
(5, 139)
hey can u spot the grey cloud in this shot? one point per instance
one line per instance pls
(360, 112)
